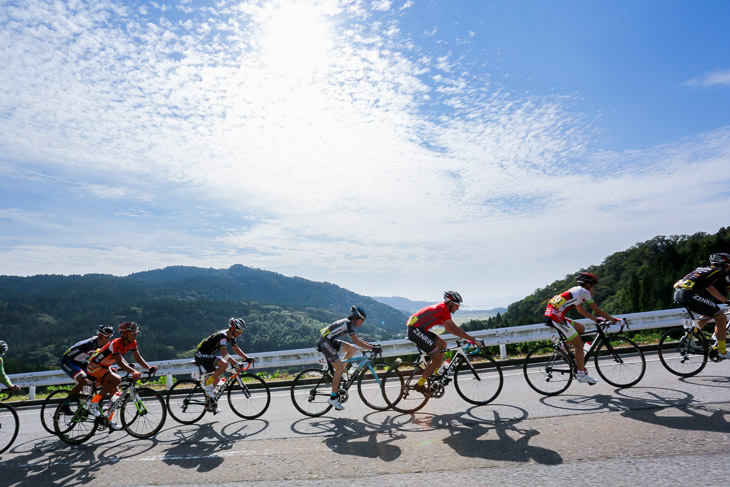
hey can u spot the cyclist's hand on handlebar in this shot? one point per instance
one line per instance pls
(377, 349)
(250, 360)
(15, 388)
(152, 370)
(136, 376)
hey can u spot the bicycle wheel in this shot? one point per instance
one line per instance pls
(548, 370)
(398, 388)
(683, 352)
(143, 413)
(186, 401)
(481, 385)
(48, 408)
(621, 366)
(74, 424)
(9, 425)
(310, 392)
(252, 400)
(368, 386)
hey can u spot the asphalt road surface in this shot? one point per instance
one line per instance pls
(664, 431)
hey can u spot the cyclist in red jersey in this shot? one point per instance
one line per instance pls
(421, 322)
(110, 354)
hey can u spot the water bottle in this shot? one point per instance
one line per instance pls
(586, 347)
(116, 397)
(444, 366)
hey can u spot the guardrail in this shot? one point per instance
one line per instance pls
(498, 337)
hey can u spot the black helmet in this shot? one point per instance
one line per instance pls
(237, 323)
(452, 296)
(105, 330)
(357, 312)
(3, 348)
(719, 259)
(586, 278)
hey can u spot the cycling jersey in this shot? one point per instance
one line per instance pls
(104, 357)
(4, 379)
(80, 352)
(564, 302)
(337, 329)
(430, 316)
(215, 342)
(703, 277)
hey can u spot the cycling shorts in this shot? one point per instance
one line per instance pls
(424, 340)
(696, 303)
(330, 349)
(565, 327)
(72, 369)
(206, 361)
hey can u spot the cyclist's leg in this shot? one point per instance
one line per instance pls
(431, 344)
(330, 349)
(76, 373)
(709, 310)
(571, 330)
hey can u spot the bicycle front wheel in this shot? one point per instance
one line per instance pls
(143, 413)
(398, 386)
(622, 364)
(310, 392)
(9, 425)
(479, 386)
(683, 352)
(186, 401)
(72, 421)
(48, 408)
(252, 400)
(368, 386)
(548, 370)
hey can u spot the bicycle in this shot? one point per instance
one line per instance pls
(142, 411)
(477, 382)
(248, 395)
(684, 350)
(51, 402)
(9, 421)
(311, 388)
(549, 370)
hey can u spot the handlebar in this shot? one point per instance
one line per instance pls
(146, 377)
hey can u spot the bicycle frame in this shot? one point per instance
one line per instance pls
(439, 381)
(362, 362)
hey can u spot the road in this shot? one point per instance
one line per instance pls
(665, 431)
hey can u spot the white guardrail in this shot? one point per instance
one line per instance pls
(392, 348)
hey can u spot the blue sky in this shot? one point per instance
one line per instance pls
(390, 147)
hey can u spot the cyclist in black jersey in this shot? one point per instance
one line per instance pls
(330, 347)
(208, 350)
(692, 292)
(76, 358)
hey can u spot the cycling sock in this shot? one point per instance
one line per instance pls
(333, 395)
(721, 346)
(209, 381)
(96, 398)
(421, 381)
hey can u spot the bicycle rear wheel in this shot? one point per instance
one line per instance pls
(481, 385)
(186, 401)
(398, 388)
(48, 408)
(548, 370)
(252, 400)
(143, 413)
(683, 352)
(74, 424)
(9, 425)
(623, 365)
(310, 392)
(369, 386)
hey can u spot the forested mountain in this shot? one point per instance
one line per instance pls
(176, 307)
(637, 279)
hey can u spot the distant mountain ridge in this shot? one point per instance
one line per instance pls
(410, 306)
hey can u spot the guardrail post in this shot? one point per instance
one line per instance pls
(503, 351)
(169, 381)
(31, 393)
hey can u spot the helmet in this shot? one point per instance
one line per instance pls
(357, 312)
(105, 330)
(3, 348)
(237, 323)
(586, 278)
(719, 259)
(452, 296)
(127, 327)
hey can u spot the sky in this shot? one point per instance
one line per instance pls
(394, 148)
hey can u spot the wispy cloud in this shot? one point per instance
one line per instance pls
(715, 78)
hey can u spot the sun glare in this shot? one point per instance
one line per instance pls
(296, 39)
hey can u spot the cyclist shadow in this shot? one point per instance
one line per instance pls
(351, 437)
(497, 440)
(199, 448)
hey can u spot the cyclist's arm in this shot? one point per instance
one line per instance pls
(597, 311)
(717, 294)
(3, 376)
(123, 364)
(452, 328)
(360, 343)
(238, 351)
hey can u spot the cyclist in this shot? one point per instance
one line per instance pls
(206, 357)
(111, 353)
(330, 346)
(691, 290)
(4, 379)
(76, 358)
(574, 298)
(419, 325)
